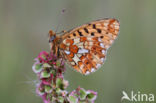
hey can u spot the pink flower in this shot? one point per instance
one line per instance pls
(43, 56)
(47, 81)
(52, 85)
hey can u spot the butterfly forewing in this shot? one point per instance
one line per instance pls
(85, 47)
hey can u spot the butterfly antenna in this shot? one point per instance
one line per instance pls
(62, 12)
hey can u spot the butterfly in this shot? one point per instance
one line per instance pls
(85, 47)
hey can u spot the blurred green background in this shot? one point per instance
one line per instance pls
(130, 64)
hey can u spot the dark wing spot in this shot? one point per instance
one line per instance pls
(94, 26)
(58, 52)
(101, 36)
(92, 34)
(99, 30)
(74, 34)
(80, 33)
(86, 30)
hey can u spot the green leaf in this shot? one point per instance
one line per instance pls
(60, 99)
(58, 90)
(37, 68)
(43, 56)
(83, 94)
(73, 99)
(45, 74)
(48, 89)
(46, 65)
(59, 83)
(91, 96)
(52, 71)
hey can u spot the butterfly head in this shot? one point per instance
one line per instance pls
(52, 36)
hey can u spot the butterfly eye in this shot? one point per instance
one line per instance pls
(52, 38)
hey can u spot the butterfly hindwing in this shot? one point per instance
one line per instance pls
(85, 47)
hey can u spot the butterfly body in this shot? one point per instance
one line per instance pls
(85, 47)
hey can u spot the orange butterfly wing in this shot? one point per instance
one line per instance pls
(85, 47)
